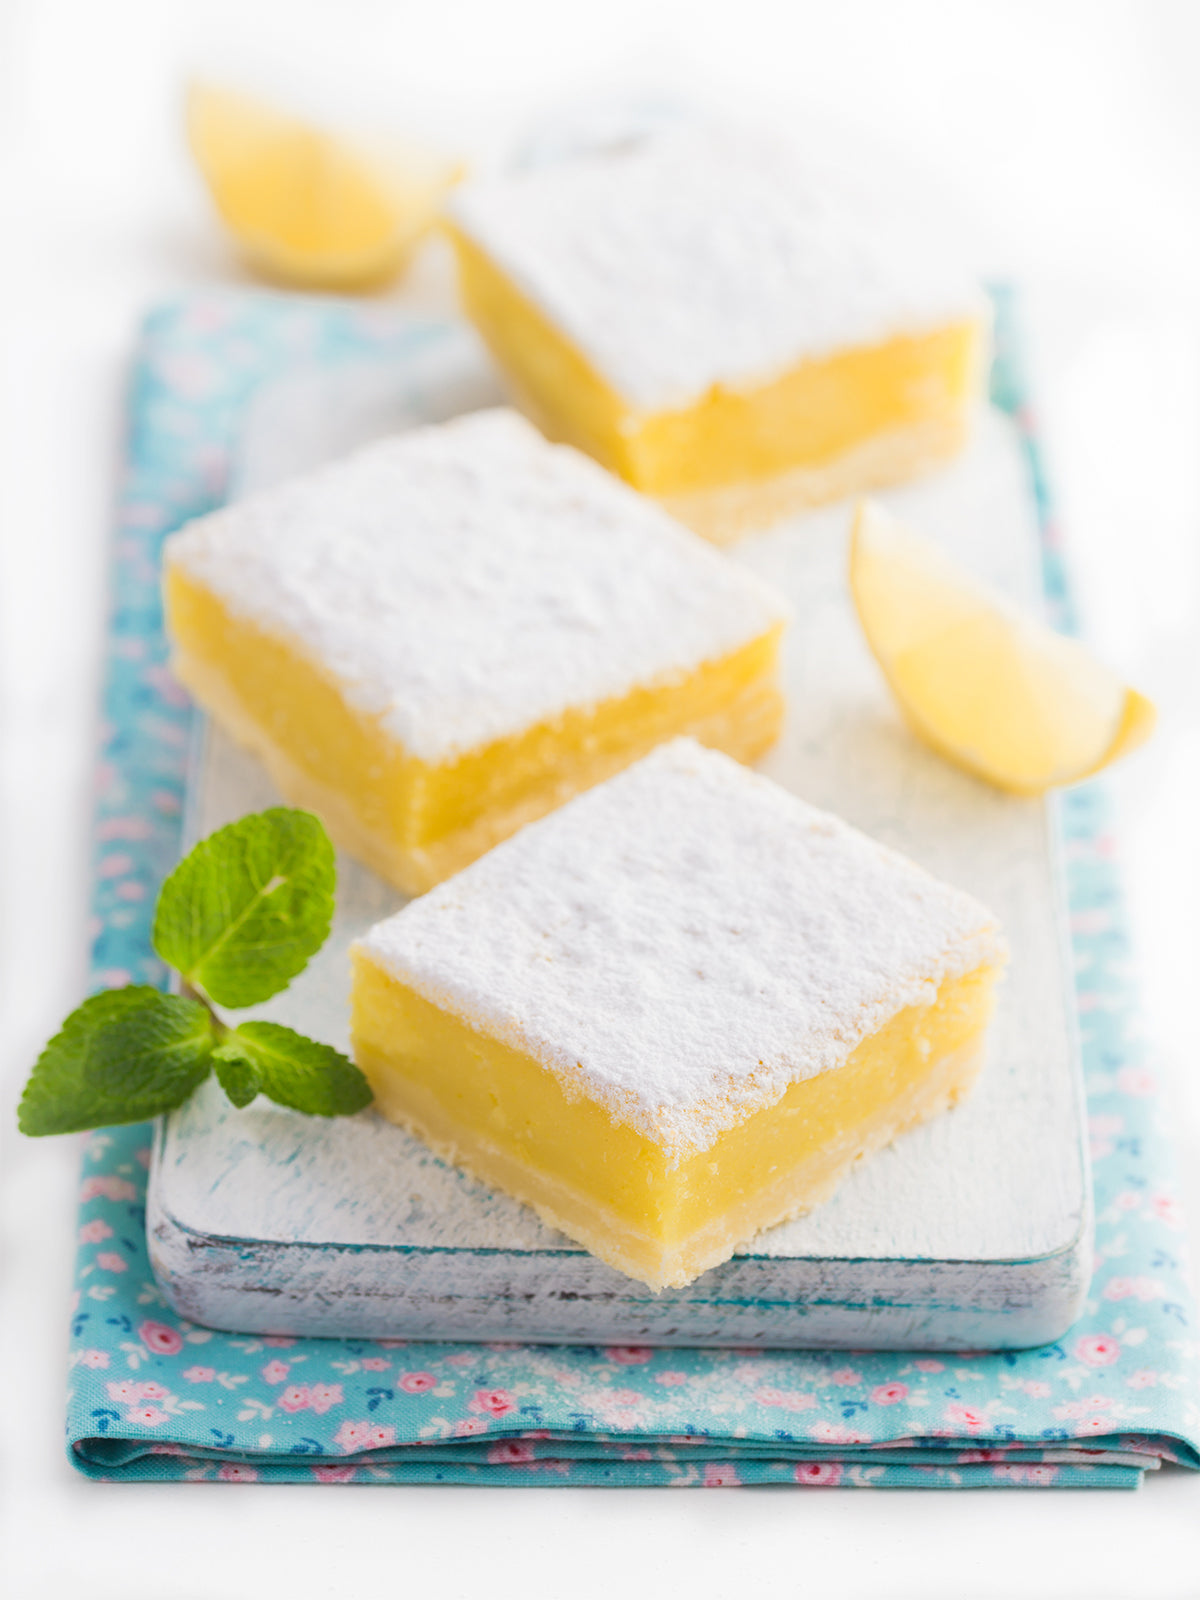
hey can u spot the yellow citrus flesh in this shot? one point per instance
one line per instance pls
(997, 692)
(305, 205)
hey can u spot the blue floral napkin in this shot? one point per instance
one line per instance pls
(155, 1398)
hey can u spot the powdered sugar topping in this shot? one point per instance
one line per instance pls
(466, 581)
(702, 255)
(684, 941)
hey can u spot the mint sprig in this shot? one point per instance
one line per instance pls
(238, 919)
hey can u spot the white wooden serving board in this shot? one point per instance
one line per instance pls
(971, 1232)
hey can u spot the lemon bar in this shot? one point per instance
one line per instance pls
(675, 1012)
(450, 633)
(704, 315)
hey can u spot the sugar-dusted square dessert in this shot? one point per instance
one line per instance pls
(708, 317)
(452, 632)
(675, 1012)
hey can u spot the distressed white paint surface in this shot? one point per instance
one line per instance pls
(971, 1231)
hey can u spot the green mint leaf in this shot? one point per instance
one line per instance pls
(295, 1071)
(237, 1074)
(249, 907)
(123, 1056)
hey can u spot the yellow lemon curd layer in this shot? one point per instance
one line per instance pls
(500, 1113)
(741, 457)
(416, 821)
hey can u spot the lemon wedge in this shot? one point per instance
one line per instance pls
(995, 691)
(309, 207)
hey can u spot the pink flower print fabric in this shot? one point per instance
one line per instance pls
(153, 1397)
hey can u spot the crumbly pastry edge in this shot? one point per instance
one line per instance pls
(725, 515)
(631, 1252)
(734, 511)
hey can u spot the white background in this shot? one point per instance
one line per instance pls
(1061, 143)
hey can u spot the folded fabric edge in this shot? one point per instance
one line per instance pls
(517, 1448)
(165, 1466)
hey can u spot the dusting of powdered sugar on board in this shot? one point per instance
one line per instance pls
(467, 581)
(684, 942)
(705, 255)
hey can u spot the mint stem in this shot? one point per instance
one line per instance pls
(189, 992)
